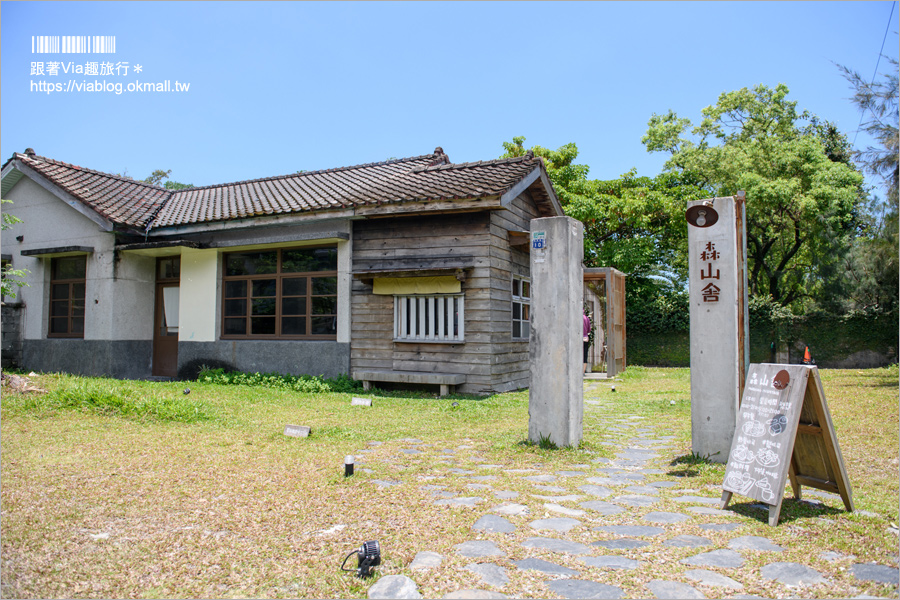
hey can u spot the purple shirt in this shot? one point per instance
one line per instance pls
(587, 326)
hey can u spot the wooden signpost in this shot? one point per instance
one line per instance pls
(784, 429)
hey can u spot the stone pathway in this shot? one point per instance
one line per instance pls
(553, 526)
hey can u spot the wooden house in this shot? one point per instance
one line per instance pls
(412, 270)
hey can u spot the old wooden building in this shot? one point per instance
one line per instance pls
(410, 270)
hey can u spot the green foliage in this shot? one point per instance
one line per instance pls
(307, 384)
(803, 195)
(159, 176)
(112, 398)
(10, 279)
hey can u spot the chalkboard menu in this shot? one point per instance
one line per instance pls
(784, 430)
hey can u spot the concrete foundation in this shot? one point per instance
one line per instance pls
(556, 398)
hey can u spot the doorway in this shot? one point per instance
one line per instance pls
(165, 320)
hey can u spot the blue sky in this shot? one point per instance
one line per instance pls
(281, 87)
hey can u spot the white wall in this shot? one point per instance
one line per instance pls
(198, 295)
(48, 222)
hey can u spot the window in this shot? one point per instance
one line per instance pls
(288, 293)
(435, 318)
(521, 307)
(67, 285)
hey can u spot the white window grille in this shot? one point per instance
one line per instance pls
(437, 318)
(521, 308)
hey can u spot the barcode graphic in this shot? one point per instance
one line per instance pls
(73, 44)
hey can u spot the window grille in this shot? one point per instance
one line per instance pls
(437, 318)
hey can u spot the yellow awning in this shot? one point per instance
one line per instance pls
(407, 286)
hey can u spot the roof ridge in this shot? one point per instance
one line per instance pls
(89, 170)
(479, 163)
(305, 173)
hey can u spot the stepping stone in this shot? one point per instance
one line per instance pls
(411, 451)
(710, 511)
(635, 500)
(604, 508)
(638, 475)
(579, 588)
(374, 443)
(490, 466)
(541, 478)
(572, 512)
(621, 544)
(687, 541)
(637, 456)
(631, 530)
(832, 556)
(511, 509)
(754, 542)
(478, 549)
(460, 471)
(713, 579)
(791, 574)
(601, 461)
(720, 526)
(699, 500)
(544, 566)
(672, 589)
(506, 494)
(469, 501)
(489, 573)
(556, 545)
(728, 559)
(443, 494)
(662, 484)
(665, 517)
(411, 441)
(483, 478)
(474, 595)
(550, 488)
(561, 524)
(611, 562)
(610, 481)
(394, 586)
(493, 524)
(569, 498)
(642, 489)
(384, 483)
(426, 560)
(570, 473)
(595, 490)
(874, 572)
(477, 486)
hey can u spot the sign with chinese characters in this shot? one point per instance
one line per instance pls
(538, 245)
(783, 430)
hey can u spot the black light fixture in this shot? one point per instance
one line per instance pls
(348, 465)
(368, 556)
(702, 215)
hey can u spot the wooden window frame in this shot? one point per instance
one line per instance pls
(279, 277)
(431, 316)
(70, 300)
(523, 301)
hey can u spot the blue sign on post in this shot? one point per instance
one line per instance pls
(538, 240)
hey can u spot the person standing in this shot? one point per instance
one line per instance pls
(586, 337)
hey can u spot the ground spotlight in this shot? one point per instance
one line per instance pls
(368, 556)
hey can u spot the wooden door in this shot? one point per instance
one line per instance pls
(165, 318)
(615, 306)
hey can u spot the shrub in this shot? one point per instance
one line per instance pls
(308, 384)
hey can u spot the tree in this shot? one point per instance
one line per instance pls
(160, 175)
(633, 223)
(10, 279)
(804, 197)
(871, 269)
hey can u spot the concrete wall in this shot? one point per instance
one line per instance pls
(11, 330)
(329, 359)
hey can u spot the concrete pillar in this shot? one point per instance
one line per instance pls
(556, 398)
(719, 321)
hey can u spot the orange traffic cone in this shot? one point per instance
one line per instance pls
(807, 359)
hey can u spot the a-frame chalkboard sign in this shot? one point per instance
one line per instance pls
(784, 429)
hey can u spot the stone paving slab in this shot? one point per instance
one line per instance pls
(720, 526)
(579, 588)
(611, 562)
(474, 595)
(478, 549)
(672, 589)
(595, 490)
(699, 500)
(511, 509)
(544, 566)
(710, 511)
(621, 544)
(569, 498)
(426, 560)
(631, 530)
(876, 572)
(754, 542)
(551, 489)
(713, 579)
(493, 524)
(468, 501)
(570, 512)
(604, 508)
(791, 574)
(728, 559)
(561, 524)
(556, 545)
(665, 517)
(635, 500)
(687, 541)
(489, 573)
(394, 586)
(506, 494)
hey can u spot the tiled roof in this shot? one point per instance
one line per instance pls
(117, 198)
(426, 178)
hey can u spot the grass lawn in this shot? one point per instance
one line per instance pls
(167, 494)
